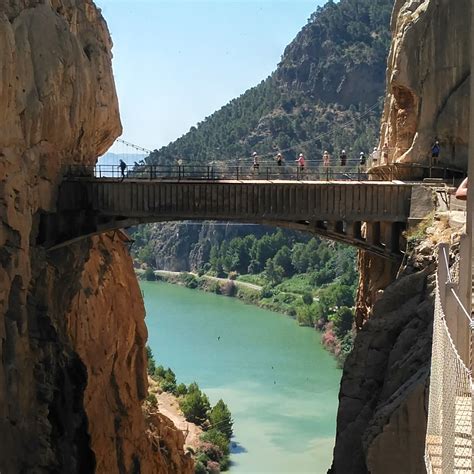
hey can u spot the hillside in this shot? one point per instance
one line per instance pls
(331, 74)
(325, 94)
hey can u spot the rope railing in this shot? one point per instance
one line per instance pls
(448, 447)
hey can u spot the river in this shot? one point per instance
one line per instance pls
(279, 383)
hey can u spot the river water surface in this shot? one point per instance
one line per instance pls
(279, 383)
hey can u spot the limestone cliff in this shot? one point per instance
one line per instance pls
(381, 417)
(72, 375)
(428, 81)
(382, 410)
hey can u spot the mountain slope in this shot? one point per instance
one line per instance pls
(325, 94)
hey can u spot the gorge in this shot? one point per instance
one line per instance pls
(73, 369)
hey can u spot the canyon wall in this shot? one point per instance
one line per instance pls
(72, 334)
(428, 82)
(383, 398)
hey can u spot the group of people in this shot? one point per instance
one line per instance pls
(301, 160)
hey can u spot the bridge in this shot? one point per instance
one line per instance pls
(369, 215)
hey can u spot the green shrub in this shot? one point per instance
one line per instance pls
(149, 274)
(181, 389)
(218, 438)
(160, 372)
(308, 298)
(152, 400)
(189, 280)
(195, 406)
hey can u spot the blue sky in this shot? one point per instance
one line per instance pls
(177, 61)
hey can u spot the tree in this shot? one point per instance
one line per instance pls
(151, 361)
(343, 319)
(283, 259)
(274, 272)
(149, 274)
(221, 419)
(195, 405)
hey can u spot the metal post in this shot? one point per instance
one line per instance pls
(268, 174)
(237, 173)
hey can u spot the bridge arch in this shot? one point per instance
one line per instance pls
(369, 215)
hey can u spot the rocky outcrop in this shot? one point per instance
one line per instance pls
(382, 413)
(72, 368)
(428, 81)
(186, 246)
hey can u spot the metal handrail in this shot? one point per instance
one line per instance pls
(456, 297)
(220, 171)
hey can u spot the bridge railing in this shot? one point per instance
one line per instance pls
(221, 171)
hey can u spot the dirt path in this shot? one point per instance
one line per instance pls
(243, 284)
(168, 406)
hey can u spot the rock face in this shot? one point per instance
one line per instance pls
(72, 374)
(382, 414)
(428, 81)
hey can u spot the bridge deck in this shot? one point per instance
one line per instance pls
(368, 214)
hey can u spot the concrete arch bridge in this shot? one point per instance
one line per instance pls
(369, 215)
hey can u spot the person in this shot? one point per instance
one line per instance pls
(123, 167)
(256, 164)
(343, 158)
(375, 156)
(300, 161)
(385, 151)
(362, 159)
(279, 159)
(435, 151)
(326, 158)
(461, 192)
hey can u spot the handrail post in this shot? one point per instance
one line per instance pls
(151, 172)
(208, 172)
(237, 173)
(268, 174)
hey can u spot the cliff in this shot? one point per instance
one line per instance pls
(383, 396)
(72, 375)
(428, 81)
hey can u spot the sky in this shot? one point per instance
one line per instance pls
(177, 61)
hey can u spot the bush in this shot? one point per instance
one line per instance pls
(181, 389)
(308, 299)
(233, 275)
(152, 400)
(218, 438)
(215, 287)
(149, 274)
(342, 320)
(199, 468)
(267, 292)
(305, 315)
(189, 280)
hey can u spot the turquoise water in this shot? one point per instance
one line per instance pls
(279, 383)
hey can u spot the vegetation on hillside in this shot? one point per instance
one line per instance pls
(323, 95)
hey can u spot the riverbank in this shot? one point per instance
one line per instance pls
(336, 329)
